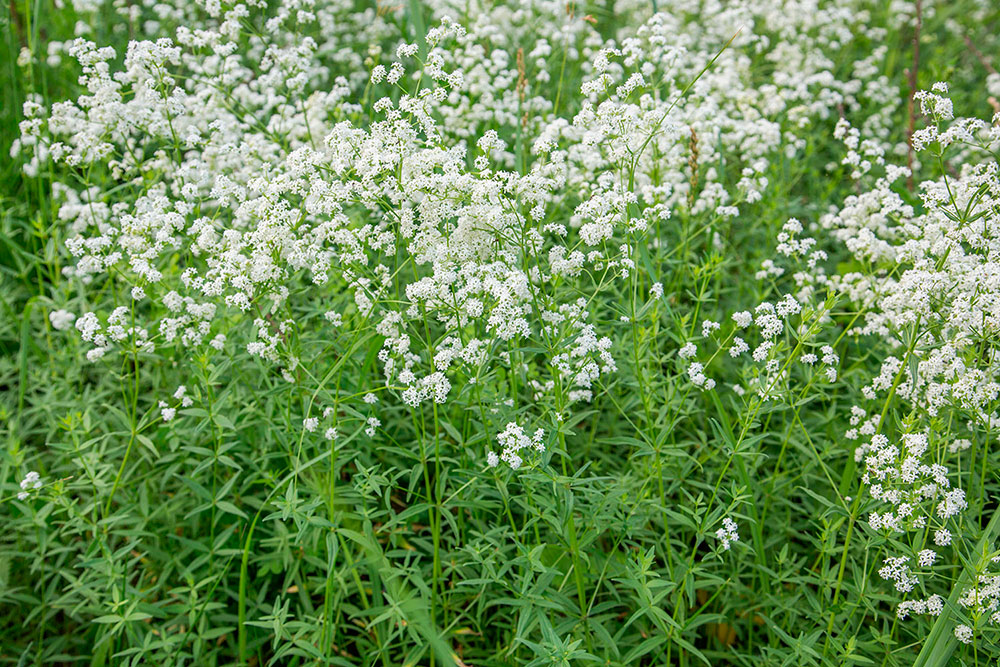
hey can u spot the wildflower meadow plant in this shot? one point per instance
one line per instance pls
(501, 333)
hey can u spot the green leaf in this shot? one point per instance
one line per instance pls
(230, 508)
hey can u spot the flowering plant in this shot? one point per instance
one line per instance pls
(502, 333)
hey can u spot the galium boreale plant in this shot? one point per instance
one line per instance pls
(496, 334)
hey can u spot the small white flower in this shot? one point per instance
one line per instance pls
(728, 533)
(31, 482)
(743, 319)
(61, 319)
(166, 412)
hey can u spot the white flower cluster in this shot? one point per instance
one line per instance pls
(31, 482)
(963, 633)
(897, 570)
(898, 476)
(250, 172)
(933, 270)
(983, 598)
(920, 497)
(776, 325)
(61, 320)
(728, 534)
(926, 284)
(514, 440)
(933, 605)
